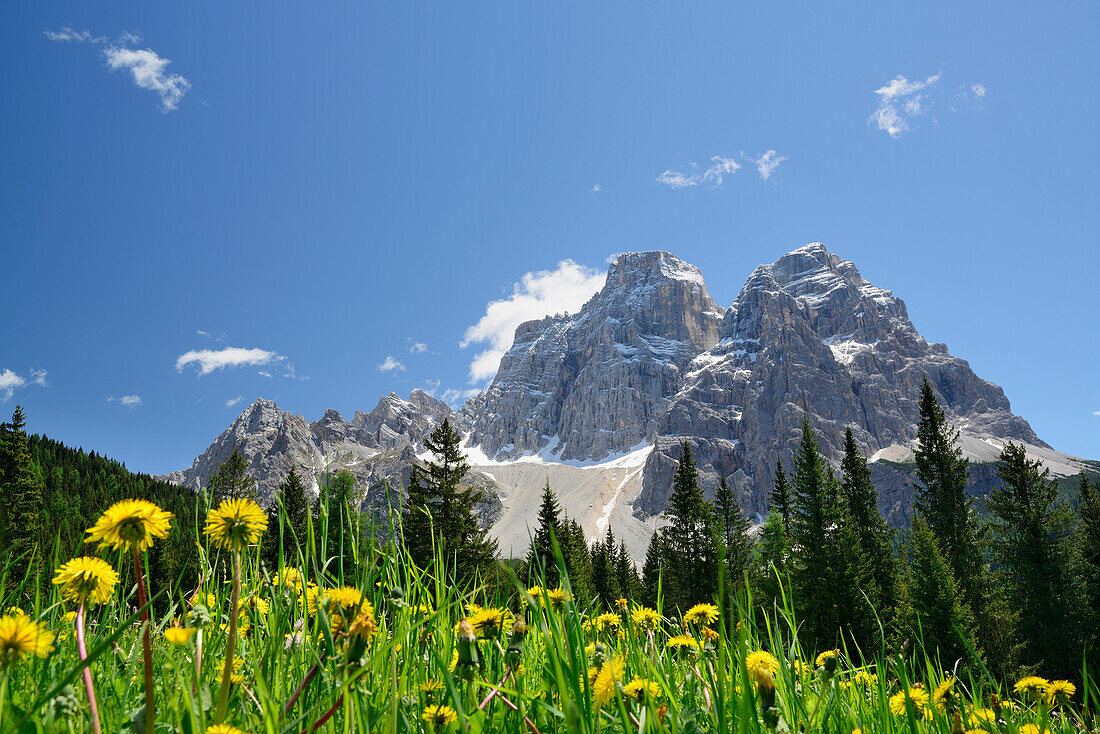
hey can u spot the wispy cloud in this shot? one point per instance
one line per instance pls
(418, 347)
(899, 102)
(70, 35)
(1096, 413)
(38, 377)
(713, 175)
(209, 360)
(9, 381)
(978, 89)
(538, 294)
(130, 401)
(596, 188)
(767, 163)
(389, 364)
(456, 398)
(149, 71)
(264, 373)
(233, 401)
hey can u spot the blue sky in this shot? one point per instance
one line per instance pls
(323, 188)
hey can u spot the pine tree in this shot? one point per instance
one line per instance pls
(232, 480)
(541, 555)
(770, 560)
(577, 563)
(1088, 563)
(605, 585)
(287, 522)
(626, 575)
(736, 541)
(780, 497)
(1032, 545)
(932, 608)
(692, 570)
(873, 537)
(22, 495)
(855, 591)
(338, 515)
(812, 514)
(652, 568)
(451, 516)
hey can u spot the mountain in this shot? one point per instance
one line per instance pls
(600, 402)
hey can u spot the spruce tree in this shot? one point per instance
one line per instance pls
(812, 515)
(873, 537)
(577, 563)
(22, 495)
(692, 545)
(605, 584)
(337, 513)
(770, 560)
(655, 556)
(287, 522)
(780, 497)
(232, 480)
(736, 541)
(626, 575)
(932, 609)
(1032, 544)
(855, 591)
(1088, 565)
(541, 555)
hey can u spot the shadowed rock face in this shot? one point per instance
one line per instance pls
(599, 381)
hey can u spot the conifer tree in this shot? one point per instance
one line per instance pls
(872, 536)
(287, 518)
(336, 511)
(1088, 564)
(626, 574)
(22, 495)
(855, 591)
(652, 568)
(812, 514)
(736, 541)
(605, 584)
(451, 516)
(232, 480)
(770, 560)
(932, 608)
(417, 530)
(692, 545)
(1032, 545)
(541, 555)
(577, 563)
(780, 497)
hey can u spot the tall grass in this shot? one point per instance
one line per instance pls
(302, 672)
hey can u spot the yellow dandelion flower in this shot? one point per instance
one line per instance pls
(69, 617)
(983, 718)
(236, 677)
(16, 612)
(430, 686)
(709, 635)
(1031, 684)
(235, 524)
(608, 622)
(1033, 729)
(179, 636)
(645, 619)
(557, 598)
(84, 580)
(224, 729)
(535, 592)
(129, 525)
(488, 622)
(622, 604)
(640, 689)
(916, 696)
(820, 659)
(439, 716)
(865, 679)
(762, 667)
(603, 687)
(945, 694)
(1060, 692)
(975, 731)
(701, 614)
(289, 578)
(682, 642)
(20, 637)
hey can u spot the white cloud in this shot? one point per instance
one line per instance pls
(714, 174)
(38, 377)
(978, 89)
(538, 294)
(216, 359)
(455, 398)
(9, 381)
(899, 101)
(148, 71)
(1096, 413)
(66, 35)
(390, 364)
(418, 348)
(264, 373)
(431, 387)
(767, 163)
(233, 401)
(130, 401)
(595, 189)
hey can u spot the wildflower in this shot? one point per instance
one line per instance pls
(945, 696)
(130, 525)
(916, 696)
(709, 636)
(820, 660)
(179, 635)
(640, 689)
(983, 718)
(1059, 692)
(439, 716)
(466, 656)
(85, 580)
(682, 642)
(488, 622)
(761, 667)
(235, 524)
(236, 677)
(800, 669)
(603, 687)
(535, 592)
(69, 617)
(20, 638)
(622, 604)
(289, 578)
(364, 626)
(701, 614)
(1032, 729)
(557, 598)
(645, 618)
(224, 729)
(16, 612)
(609, 622)
(292, 640)
(430, 686)
(865, 679)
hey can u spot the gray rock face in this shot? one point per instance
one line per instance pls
(598, 382)
(808, 337)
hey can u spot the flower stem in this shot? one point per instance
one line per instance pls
(93, 708)
(231, 644)
(146, 644)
